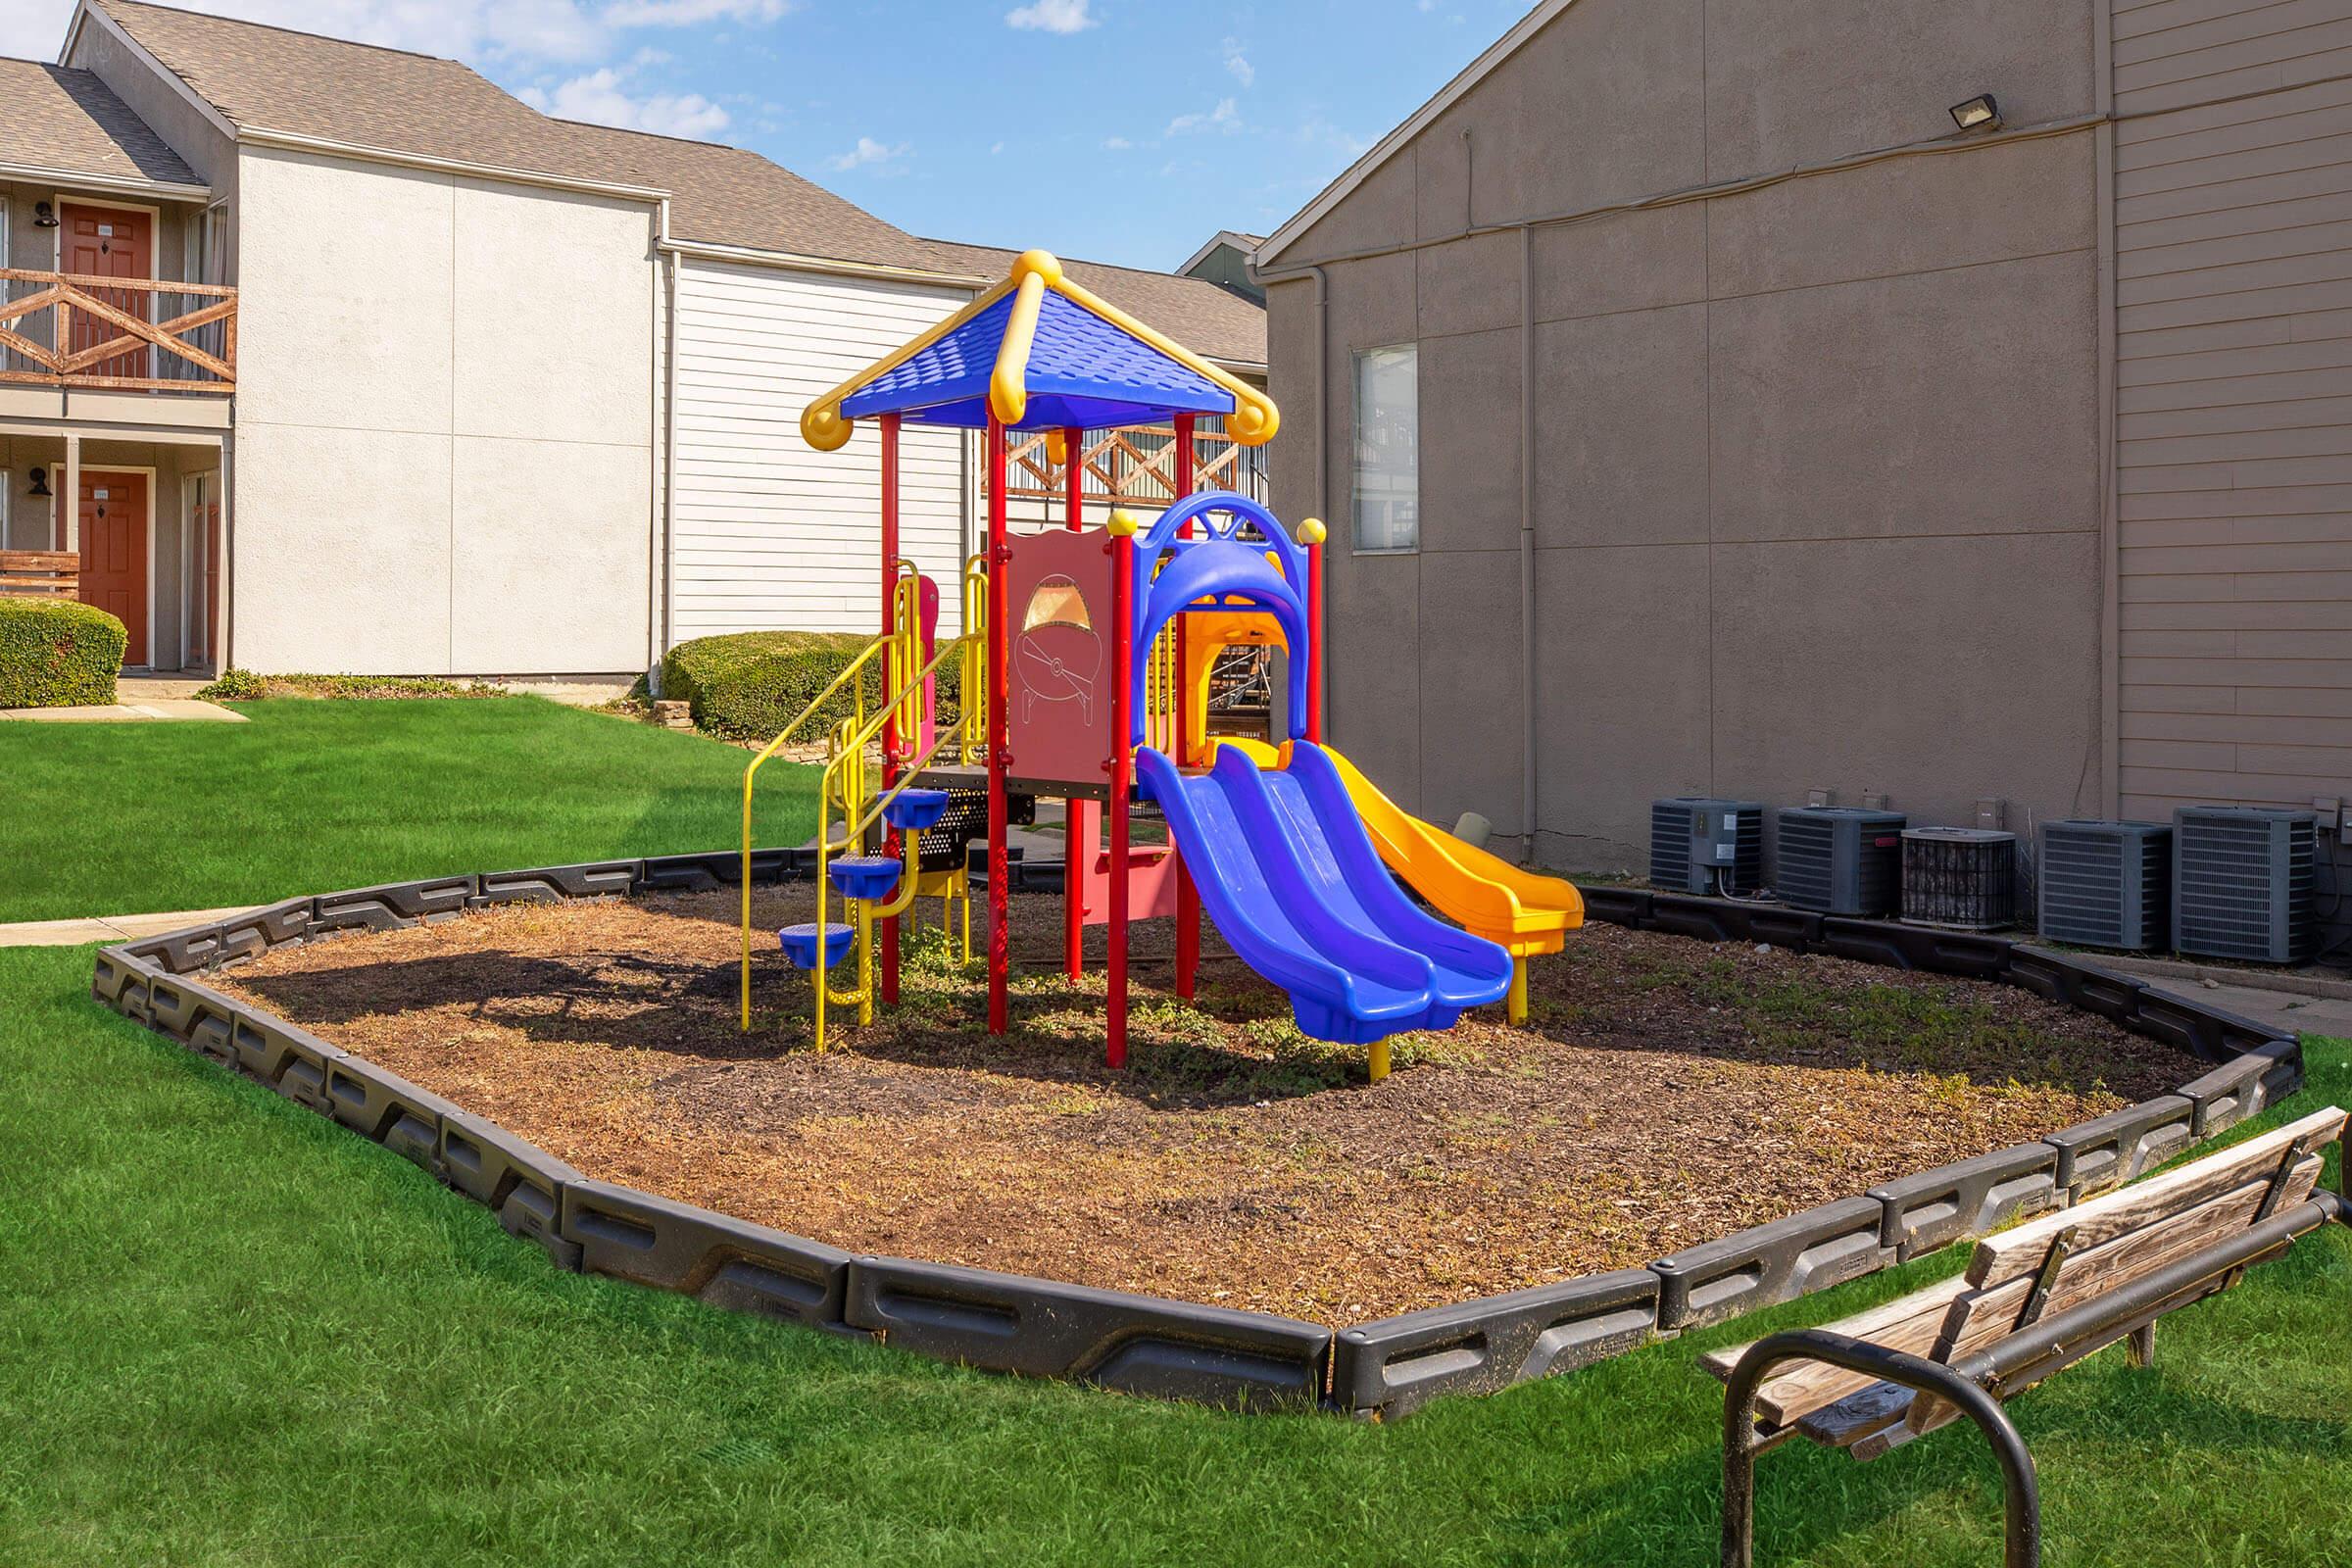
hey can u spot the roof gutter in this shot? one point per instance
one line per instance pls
(114, 185)
(792, 261)
(295, 142)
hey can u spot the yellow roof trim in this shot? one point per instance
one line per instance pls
(1252, 422)
(821, 423)
(1009, 382)
(1253, 419)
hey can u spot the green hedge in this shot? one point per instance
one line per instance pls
(57, 653)
(748, 686)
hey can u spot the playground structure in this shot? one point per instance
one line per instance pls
(1086, 656)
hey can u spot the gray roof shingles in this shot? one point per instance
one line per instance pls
(70, 122)
(269, 79)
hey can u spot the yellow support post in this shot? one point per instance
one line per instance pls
(1380, 1060)
(1518, 1003)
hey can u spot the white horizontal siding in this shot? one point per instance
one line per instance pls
(2234, 408)
(771, 533)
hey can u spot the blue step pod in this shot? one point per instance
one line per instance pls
(913, 811)
(800, 944)
(864, 876)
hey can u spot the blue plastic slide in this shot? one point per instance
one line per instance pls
(1289, 874)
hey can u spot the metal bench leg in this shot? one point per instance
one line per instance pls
(2141, 1350)
(2021, 1496)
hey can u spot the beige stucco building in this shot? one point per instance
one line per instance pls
(1699, 409)
(433, 383)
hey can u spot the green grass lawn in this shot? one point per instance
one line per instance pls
(314, 796)
(233, 1333)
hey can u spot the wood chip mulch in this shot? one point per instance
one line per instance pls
(1667, 1092)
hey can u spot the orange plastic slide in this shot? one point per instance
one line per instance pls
(1521, 912)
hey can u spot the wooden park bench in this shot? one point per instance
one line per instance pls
(2032, 1299)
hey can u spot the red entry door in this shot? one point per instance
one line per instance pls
(114, 551)
(109, 242)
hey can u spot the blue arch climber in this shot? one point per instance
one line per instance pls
(1221, 568)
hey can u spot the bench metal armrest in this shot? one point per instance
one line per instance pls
(1742, 1442)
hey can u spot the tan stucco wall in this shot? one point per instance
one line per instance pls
(1817, 467)
(444, 423)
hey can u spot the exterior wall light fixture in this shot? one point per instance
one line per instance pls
(43, 215)
(1981, 113)
(40, 482)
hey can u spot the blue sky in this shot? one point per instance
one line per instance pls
(1120, 130)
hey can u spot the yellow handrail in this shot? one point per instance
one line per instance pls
(973, 722)
(850, 752)
(849, 673)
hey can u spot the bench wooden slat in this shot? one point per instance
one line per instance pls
(39, 561)
(1983, 1318)
(2118, 1237)
(2019, 1251)
(1908, 1323)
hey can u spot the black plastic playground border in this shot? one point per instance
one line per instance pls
(1178, 1349)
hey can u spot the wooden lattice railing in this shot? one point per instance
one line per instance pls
(1134, 467)
(111, 333)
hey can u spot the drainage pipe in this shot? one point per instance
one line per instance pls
(1527, 542)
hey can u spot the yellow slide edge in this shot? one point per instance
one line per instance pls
(1521, 912)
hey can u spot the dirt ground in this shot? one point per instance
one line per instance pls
(1667, 1092)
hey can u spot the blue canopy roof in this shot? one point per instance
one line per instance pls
(1084, 373)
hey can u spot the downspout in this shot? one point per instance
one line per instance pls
(1322, 633)
(1527, 540)
(669, 458)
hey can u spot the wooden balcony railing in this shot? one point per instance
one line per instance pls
(1134, 468)
(124, 335)
(40, 573)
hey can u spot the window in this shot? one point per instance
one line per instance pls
(1387, 449)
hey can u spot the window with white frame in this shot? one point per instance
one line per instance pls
(1387, 448)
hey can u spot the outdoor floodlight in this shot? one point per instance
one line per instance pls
(1980, 113)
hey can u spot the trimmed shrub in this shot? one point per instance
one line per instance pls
(748, 686)
(244, 686)
(58, 652)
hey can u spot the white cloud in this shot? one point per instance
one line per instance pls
(689, 12)
(1053, 16)
(1237, 63)
(602, 97)
(560, 31)
(868, 154)
(1117, 144)
(1226, 117)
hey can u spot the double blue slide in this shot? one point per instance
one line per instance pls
(1289, 874)
(1283, 864)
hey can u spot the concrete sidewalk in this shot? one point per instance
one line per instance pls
(108, 928)
(160, 710)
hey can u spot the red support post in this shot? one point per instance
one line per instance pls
(1122, 766)
(1000, 876)
(1316, 643)
(1078, 844)
(1188, 897)
(894, 744)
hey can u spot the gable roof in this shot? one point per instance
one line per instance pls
(1387, 146)
(1246, 244)
(70, 122)
(723, 195)
(260, 78)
